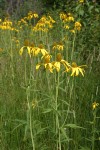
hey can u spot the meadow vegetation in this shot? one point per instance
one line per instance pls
(50, 79)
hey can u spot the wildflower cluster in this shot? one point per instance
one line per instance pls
(58, 46)
(52, 62)
(69, 22)
(31, 15)
(66, 17)
(32, 50)
(44, 24)
(56, 65)
(24, 21)
(7, 25)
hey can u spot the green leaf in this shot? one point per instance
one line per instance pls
(66, 103)
(40, 131)
(81, 12)
(63, 90)
(20, 121)
(78, 7)
(84, 148)
(98, 117)
(61, 82)
(90, 8)
(97, 10)
(63, 131)
(74, 126)
(47, 111)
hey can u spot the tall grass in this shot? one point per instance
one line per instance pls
(40, 110)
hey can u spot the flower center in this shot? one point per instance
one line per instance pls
(59, 57)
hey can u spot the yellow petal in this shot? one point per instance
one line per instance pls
(57, 66)
(65, 63)
(44, 52)
(73, 72)
(81, 71)
(67, 69)
(21, 50)
(77, 71)
(36, 51)
(38, 66)
(29, 51)
(49, 67)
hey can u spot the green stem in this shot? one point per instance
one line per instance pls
(73, 46)
(93, 129)
(57, 117)
(30, 117)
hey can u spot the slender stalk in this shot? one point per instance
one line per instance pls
(57, 117)
(93, 130)
(30, 117)
(73, 46)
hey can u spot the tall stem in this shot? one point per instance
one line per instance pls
(30, 116)
(93, 129)
(57, 117)
(73, 46)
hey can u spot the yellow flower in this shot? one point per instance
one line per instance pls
(31, 15)
(44, 24)
(70, 18)
(66, 27)
(73, 31)
(35, 15)
(94, 105)
(59, 61)
(78, 25)
(35, 51)
(51, 20)
(58, 46)
(66, 17)
(32, 49)
(81, 1)
(77, 69)
(43, 19)
(6, 25)
(62, 16)
(47, 65)
(28, 50)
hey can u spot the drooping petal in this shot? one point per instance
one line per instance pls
(44, 52)
(21, 50)
(49, 66)
(65, 63)
(38, 66)
(67, 69)
(29, 51)
(56, 65)
(36, 51)
(73, 71)
(77, 71)
(81, 71)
